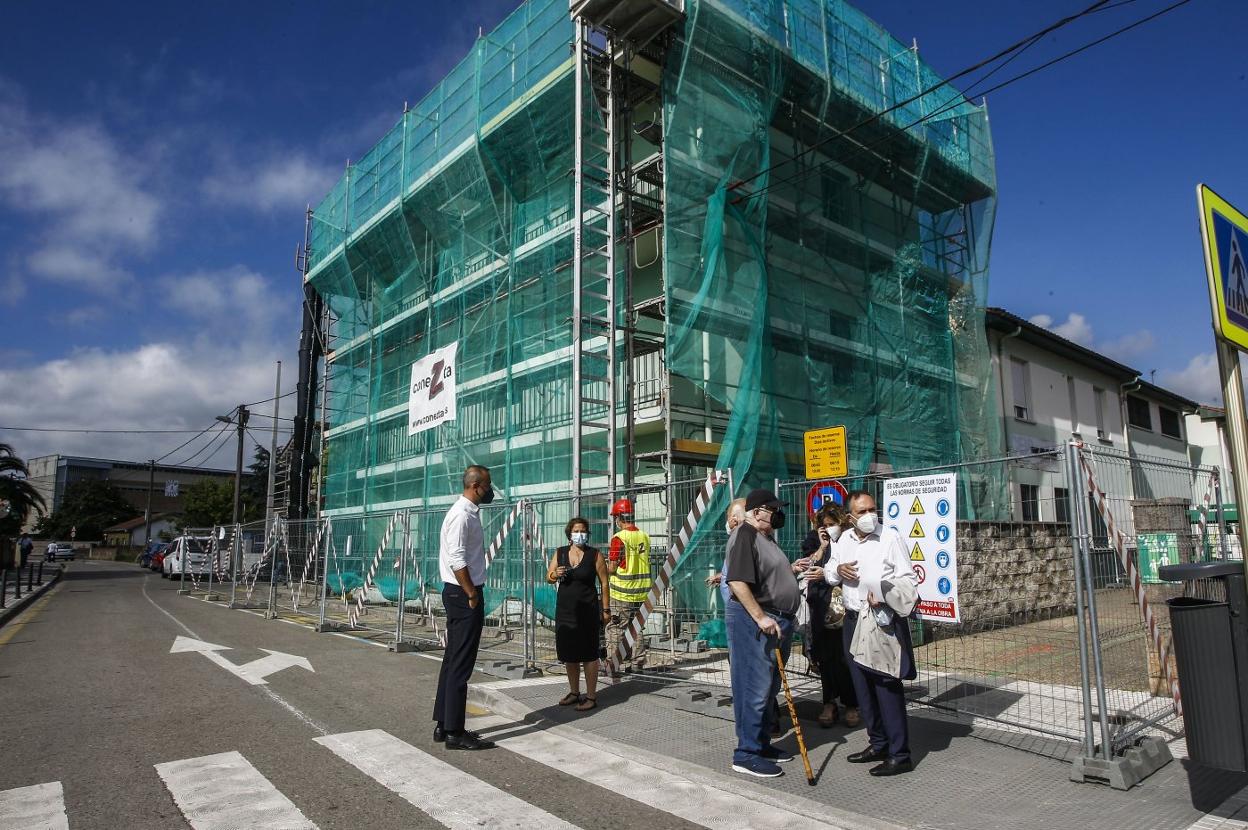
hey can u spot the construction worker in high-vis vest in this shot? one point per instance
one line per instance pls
(628, 566)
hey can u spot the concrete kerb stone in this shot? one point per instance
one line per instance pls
(493, 696)
(15, 607)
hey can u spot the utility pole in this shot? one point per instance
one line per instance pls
(277, 395)
(147, 514)
(242, 414)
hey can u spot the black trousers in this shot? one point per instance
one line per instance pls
(881, 701)
(463, 638)
(829, 649)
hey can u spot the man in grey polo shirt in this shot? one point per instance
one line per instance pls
(759, 619)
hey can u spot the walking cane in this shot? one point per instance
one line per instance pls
(797, 727)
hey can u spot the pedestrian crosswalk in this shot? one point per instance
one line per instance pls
(225, 791)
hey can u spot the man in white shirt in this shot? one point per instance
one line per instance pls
(863, 558)
(461, 561)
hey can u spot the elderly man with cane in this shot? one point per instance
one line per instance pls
(759, 619)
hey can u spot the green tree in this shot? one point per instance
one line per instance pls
(18, 497)
(207, 503)
(255, 489)
(88, 507)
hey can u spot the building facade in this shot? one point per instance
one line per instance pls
(714, 226)
(51, 474)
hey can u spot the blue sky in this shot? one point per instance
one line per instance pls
(155, 164)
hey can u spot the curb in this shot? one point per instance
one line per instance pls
(493, 697)
(17, 607)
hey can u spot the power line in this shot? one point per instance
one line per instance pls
(112, 431)
(270, 400)
(1027, 41)
(955, 101)
(219, 439)
(184, 443)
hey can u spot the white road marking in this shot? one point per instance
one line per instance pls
(699, 804)
(253, 672)
(225, 792)
(274, 696)
(41, 807)
(443, 792)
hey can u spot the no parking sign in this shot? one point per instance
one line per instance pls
(823, 492)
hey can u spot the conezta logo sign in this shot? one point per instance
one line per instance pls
(431, 396)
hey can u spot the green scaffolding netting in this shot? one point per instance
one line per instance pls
(822, 260)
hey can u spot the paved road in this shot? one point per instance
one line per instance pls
(130, 735)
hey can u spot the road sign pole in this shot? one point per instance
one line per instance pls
(1233, 398)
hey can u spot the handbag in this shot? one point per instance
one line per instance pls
(834, 617)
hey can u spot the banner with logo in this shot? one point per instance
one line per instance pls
(431, 397)
(924, 510)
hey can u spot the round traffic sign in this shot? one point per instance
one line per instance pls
(920, 573)
(822, 492)
(942, 559)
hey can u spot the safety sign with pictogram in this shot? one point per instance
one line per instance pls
(930, 504)
(822, 492)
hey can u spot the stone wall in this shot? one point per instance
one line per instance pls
(1014, 572)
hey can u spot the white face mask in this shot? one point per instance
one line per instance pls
(728, 528)
(579, 537)
(866, 524)
(833, 532)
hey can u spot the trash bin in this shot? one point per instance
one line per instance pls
(1210, 632)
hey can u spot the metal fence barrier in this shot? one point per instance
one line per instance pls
(1062, 648)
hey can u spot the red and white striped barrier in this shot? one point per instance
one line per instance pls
(1146, 611)
(497, 544)
(358, 608)
(309, 559)
(638, 622)
(1202, 517)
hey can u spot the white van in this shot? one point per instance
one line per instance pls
(194, 549)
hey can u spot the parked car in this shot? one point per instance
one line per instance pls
(194, 549)
(157, 561)
(58, 550)
(153, 548)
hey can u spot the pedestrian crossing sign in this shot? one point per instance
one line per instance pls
(1225, 233)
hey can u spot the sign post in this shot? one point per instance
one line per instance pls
(1224, 231)
(925, 512)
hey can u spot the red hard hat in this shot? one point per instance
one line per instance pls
(622, 507)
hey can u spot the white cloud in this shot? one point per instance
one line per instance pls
(1130, 345)
(230, 294)
(1076, 329)
(280, 181)
(163, 385)
(1199, 380)
(91, 195)
(1044, 321)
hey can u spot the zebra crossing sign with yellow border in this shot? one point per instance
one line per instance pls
(1225, 233)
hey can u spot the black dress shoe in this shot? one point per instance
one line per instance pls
(439, 734)
(468, 740)
(892, 767)
(867, 756)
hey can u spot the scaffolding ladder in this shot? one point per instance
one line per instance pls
(605, 198)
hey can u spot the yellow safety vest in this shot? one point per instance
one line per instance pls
(631, 580)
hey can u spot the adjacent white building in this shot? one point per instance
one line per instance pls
(1052, 389)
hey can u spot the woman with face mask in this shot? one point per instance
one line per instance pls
(581, 609)
(826, 652)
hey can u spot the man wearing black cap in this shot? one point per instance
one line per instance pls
(759, 619)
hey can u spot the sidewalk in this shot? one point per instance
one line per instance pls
(966, 775)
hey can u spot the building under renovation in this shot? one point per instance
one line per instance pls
(666, 237)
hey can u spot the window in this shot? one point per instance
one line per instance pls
(1170, 422)
(1137, 413)
(1031, 502)
(1061, 505)
(1019, 378)
(1074, 404)
(1098, 396)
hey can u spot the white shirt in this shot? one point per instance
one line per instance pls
(462, 543)
(880, 556)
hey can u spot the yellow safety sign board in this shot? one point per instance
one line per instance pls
(916, 532)
(827, 452)
(1225, 233)
(916, 553)
(916, 509)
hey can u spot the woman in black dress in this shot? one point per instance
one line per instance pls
(827, 647)
(581, 609)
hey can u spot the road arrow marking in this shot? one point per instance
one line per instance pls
(254, 672)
